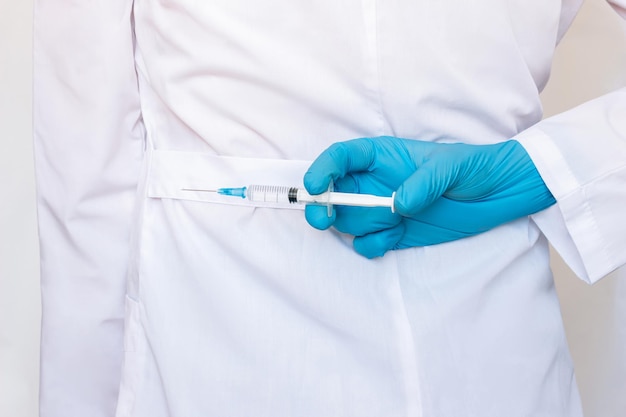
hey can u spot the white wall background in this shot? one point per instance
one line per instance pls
(19, 266)
(590, 61)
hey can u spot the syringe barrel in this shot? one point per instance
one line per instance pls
(285, 194)
(271, 194)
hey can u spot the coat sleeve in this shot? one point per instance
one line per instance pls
(88, 148)
(581, 155)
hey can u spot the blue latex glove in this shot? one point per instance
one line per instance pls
(444, 192)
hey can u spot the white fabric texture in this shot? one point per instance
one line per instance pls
(589, 182)
(238, 310)
(88, 149)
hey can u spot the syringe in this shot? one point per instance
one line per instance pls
(283, 194)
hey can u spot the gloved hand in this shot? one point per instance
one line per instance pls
(444, 192)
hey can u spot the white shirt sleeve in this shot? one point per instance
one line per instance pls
(581, 155)
(88, 149)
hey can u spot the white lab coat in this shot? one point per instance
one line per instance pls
(234, 310)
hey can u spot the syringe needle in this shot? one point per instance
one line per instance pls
(200, 190)
(237, 192)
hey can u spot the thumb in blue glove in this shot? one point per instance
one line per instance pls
(444, 192)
